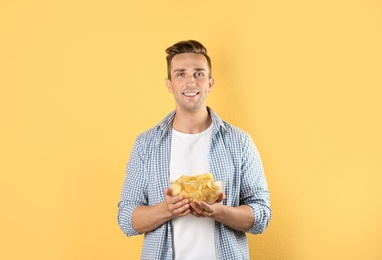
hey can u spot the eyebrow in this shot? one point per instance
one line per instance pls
(196, 69)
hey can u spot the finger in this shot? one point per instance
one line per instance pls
(172, 198)
(195, 213)
(183, 211)
(167, 192)
(221, 197)
(207, 213)
(200, 211)
(169, 196)
(196, 208)
(204, 206)
(179, 207)
(206, 209)
(177, 201)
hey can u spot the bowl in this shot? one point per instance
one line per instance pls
(195, 191)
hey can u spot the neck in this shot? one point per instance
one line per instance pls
(191, 122)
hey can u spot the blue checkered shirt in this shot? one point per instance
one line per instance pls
(233, 157)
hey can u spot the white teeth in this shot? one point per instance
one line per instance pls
(190, 94)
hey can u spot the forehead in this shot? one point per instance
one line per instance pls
(189, 60)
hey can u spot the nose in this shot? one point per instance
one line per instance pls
(191, 81)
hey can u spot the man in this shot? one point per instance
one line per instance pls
(193, 139)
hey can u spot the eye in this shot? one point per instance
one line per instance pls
(199, 74)
(180, 74)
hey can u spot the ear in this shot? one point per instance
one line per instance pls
(169, 86)
(211, 82)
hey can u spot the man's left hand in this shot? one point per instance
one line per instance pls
(202, 209)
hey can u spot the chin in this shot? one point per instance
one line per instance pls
(193, 108)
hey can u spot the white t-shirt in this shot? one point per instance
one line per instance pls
(193, 237)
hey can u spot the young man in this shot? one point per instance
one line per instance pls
(193, 139)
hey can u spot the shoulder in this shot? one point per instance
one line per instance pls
(157, 132)
(226, 129)
(150, 135)
(233, 132)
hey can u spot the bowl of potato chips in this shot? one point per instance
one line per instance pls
(197, 188)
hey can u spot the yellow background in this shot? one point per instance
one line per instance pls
(81, 79)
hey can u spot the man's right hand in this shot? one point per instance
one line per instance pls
(148, 218)
(177, 206)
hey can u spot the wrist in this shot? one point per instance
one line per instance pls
(164, 210)
(218, 211)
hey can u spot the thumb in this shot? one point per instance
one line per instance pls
(167, 192)
(221, 197)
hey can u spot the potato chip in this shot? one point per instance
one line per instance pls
(197, 188)
(176, 188)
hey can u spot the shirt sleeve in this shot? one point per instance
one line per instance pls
(254, 189)
(133, 190)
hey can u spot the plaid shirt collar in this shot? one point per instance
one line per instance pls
(217, 123)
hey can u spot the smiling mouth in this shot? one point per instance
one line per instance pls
(190, 94)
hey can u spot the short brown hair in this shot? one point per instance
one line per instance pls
(190, 46)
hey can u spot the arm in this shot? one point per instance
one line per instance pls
(239, 218)
(135, 216)
(148, 218)
(254, 188)
(254, 213)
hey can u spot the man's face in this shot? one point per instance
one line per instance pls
(190, 82)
